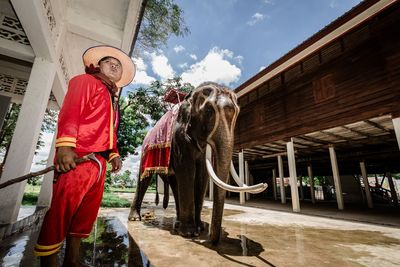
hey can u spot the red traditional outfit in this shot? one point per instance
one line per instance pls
(87, 122)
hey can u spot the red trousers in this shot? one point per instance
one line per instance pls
(74, 206)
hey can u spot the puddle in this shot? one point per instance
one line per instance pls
(107, 245)
(110, 245)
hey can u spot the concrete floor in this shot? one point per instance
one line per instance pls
(252, 236)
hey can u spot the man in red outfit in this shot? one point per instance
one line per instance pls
(87, 123)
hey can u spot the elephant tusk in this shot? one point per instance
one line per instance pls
(254, 189)
(235, 175)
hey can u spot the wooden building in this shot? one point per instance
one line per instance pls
(329, 107)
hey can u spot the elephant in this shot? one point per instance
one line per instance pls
(203, 132)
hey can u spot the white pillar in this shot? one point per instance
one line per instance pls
(23, 144)
(393, 192)
(396, 126)
(241, 175)
(336, 177)
(247, 177)
(281, 177)
(274, 184)
(311, 177)
(46, 189)
(211, 190)
(366, 184)
(301, 188)
(293, 176)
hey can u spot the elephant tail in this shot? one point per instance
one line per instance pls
(157, 200)
(166, 195)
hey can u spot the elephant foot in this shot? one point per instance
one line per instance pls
(188, 230)
(134, 216)
(177, 224)
(200, 226)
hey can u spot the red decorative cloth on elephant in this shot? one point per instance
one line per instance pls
(156, 147)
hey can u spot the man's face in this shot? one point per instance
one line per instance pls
(111, 67)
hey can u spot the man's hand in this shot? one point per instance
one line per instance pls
(116, 164)
(65, 159)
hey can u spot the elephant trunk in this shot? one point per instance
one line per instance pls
(223, 155)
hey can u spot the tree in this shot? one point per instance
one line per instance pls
(10, 121)
(161, 19)
(140, 109)
(122, 180)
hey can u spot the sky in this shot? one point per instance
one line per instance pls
(230, 41)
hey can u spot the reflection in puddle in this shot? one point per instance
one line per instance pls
(110, 245)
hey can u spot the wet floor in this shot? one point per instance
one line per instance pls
(256, 237)
(250, 237)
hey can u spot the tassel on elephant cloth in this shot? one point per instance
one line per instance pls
(156, 147)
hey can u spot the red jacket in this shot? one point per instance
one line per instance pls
(87, 119)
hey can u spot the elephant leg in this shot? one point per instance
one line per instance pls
(185, 179)
(141, 188)
(201, 181)
(166, 192)
(218, 209)
(174, 187)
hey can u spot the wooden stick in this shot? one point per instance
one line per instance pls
(34, 174)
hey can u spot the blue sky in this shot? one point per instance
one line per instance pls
(232, 40)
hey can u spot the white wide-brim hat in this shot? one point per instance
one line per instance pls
(93, 55)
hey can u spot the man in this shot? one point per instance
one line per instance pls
(87, 123)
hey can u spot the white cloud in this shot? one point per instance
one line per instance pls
(40, 159)
(261, 68)
(268, 2)
(132, 163)
(193, 56)
(332, 4)
(255, 18)
(183, 65)
(239, 59)
(179, 48)
(161, 67)
(141, 76)
(214, 67)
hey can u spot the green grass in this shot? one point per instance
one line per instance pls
(110, 199)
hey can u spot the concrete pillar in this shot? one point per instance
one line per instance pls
(281, 177)
(23, 144)
(4, 106)
(247, 177)
(211, 190)
(274, 184)
(336, 177)
(396, 126)
(241, 175)
(393, 192)
(301, 188)
(293, 176)
(46, 189)
(311, 177)
(366, 184)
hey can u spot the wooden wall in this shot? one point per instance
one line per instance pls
(354, 78)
